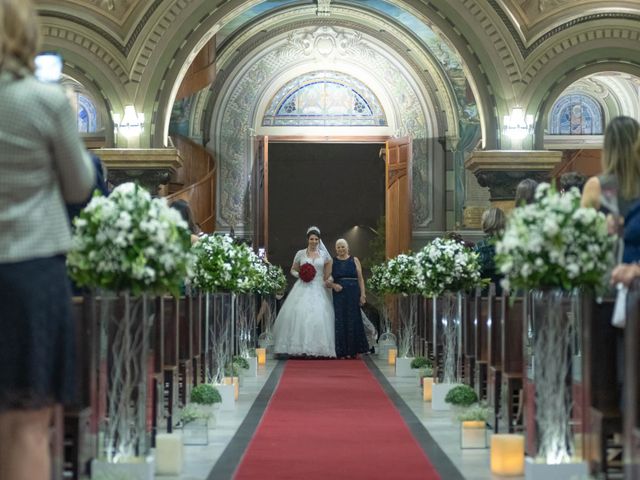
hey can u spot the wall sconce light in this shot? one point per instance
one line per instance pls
(130, 124)
(518, 125)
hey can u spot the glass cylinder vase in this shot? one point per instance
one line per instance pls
(125, 366)
(549, 348)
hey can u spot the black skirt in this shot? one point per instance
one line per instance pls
(37, 349)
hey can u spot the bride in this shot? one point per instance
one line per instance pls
(305, 324)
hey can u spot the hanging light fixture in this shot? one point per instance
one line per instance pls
(518, 125)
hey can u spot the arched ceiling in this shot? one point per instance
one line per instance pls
(513, 51)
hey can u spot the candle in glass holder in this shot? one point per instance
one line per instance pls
(261, 353)
(427, 388)
(507, 454)
(392, 352)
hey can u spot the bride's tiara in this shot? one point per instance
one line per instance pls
(313, 228)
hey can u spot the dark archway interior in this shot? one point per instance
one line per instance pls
(337, 187)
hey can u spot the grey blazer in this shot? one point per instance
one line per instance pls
(43, 165)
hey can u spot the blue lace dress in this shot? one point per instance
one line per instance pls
(350, 336)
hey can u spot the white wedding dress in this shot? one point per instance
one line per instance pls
(306, 324)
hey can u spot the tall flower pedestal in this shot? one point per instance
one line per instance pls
(123, 357)
(562, 471)
(196, 432)
(549, 403)
(473, 434)
(439, 393)
(131, 469)
(403, 367)
(227, 392)
(169, 454)
(252, 371)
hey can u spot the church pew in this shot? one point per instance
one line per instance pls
(632, 385)
(472, 304)
(482, 344)
(168, 312)
(185, 350)
(512, 325)
(596, 389)
(437, 340)
(494, 358)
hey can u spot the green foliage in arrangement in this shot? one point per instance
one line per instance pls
(420, 362)
(189, 414)
(205, 394)
(462, 396)
(240, 362)
(231, 370)
(475, 413)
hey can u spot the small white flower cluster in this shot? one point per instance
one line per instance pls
(442, 265)
(130, 241)
(222, 265)
(447, 265)
(555, 243)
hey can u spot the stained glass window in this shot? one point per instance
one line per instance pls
(576, 114)
(324, 99)
(87, 115)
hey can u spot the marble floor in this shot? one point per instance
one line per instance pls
(200, 460)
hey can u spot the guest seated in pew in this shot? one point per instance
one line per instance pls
(43, 165)
(571, 180)
(493, 223)
(183, 207)
(526, 192)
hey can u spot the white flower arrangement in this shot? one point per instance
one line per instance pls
(555, 243)
(400, 275)
(130, 242)
(224, 266)
(269, 279)
(446, 265)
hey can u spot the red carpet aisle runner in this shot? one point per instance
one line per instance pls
(330, 419)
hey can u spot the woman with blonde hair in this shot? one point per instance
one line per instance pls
(617, 190)
(43, 165)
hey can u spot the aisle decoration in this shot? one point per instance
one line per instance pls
(127, 246)
(446, 270)
(560, 250)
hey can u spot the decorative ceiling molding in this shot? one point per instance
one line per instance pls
(526, 50)
(68, 34)
(562, 44)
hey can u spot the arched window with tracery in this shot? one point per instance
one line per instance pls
(87, 114)
(324, 99)
(576, 114)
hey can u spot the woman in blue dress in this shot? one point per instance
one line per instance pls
(347, 284)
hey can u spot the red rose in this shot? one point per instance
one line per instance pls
(307, 272)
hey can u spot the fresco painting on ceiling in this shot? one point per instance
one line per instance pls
(442, 50)
(324, 99)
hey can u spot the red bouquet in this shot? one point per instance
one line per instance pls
(307, 272)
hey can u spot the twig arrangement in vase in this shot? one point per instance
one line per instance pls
(128, 246)
(557, 249)
(447, 268)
